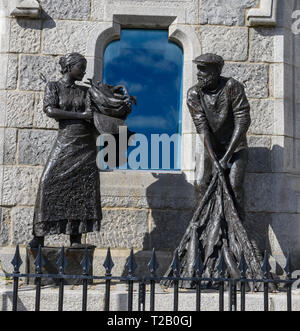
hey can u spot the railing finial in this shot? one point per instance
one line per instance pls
(85, 262)
(17, 261)
(176, 265)
(199, 266)
(108, 263)
(221, 267)
(243, 267)
(153, 265)
(266, 268)
(131, 264)
(39, 261)
(62, 261)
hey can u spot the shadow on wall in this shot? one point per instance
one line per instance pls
(172, 201)
(271, 205)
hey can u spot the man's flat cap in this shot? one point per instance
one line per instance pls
(209, 58)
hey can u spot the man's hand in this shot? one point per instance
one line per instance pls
(224, 163)
(218, 167)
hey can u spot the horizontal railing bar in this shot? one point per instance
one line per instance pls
(146, 279)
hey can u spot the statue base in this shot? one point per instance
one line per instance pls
(51, 255)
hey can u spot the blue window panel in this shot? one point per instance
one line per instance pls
(151, 68)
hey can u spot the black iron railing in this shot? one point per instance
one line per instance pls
(235, 286)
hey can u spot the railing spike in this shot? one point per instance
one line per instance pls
(153, 265)
(85, 262)
(243, 267)
(108, 263)
(176, 265)
(266, 268)
(17, 261)
(199, 266)
(288, 267)
(131, 264)
(221, 267)
(39, 261)
(62, 261)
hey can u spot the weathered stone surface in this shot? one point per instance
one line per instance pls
(284, 15)
(25, 36)
(187, 9)
(262, 116)
(8, 71)
(259, 154)
(143, 190)
(224, 12)
(35, 146)
(230, 43)
(295, 75)
(3, 100)
(22, 225)
(145, 202)
(98, 10)
(253, 76)
(121, 228)
(262, 44)
(73, 9)
(32, 66)
(168, 227)
(5, 27)
(40, 119)
(258, 189)
(19, 185)
(10, 146)
(12, 72)
(66, 37)
(285, 238)
(5, 221)
(277, 78)
(270, 192)
(57, 240)
(257, 227)
(19, 109)
(282, 153)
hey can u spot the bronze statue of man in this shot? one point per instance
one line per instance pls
(220, 111)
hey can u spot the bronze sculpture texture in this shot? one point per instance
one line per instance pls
(220, 111)
(68, 197)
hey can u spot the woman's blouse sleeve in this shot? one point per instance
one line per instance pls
(51, 96)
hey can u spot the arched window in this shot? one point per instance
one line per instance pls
(150, 66)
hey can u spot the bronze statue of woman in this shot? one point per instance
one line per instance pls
(68, 197)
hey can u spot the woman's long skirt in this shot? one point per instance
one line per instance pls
(68, 198)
